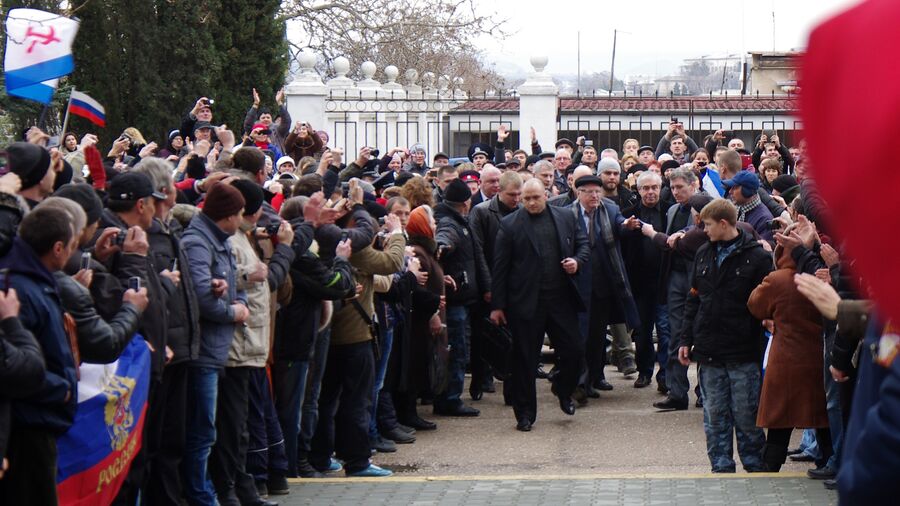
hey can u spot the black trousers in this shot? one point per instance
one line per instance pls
(344, 406)
(266, 454)
(31, 478)
(595, 348)
(777, 441)
(482, 374)
(229, 455)
(554, 316)
(164, 487)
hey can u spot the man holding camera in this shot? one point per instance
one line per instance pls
(200, 113)
(676, 143)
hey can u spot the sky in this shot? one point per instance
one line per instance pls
(654, 35)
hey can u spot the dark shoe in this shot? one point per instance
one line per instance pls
(261, 502)
(566, 405)
(398, 436)
(541, 373)
(628, 366)
(489, 388)
(306, 470)
(382, 445)
(554, 372)
(278, 485)
(699, 403)
(262, 489)
(419, 423)
(406, 428)
(802, 457)
(823, 473)
(830, 484)
(661, 387)
(580, 396)
(461, 410)
(670, 404)
(523, 426)
(794, 451)
(642, 382)
(475, 393)
(602, 384)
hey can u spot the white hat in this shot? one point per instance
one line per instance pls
(283, 160)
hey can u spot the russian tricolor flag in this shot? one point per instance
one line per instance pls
(80, 104)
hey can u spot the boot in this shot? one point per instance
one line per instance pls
(773, 457)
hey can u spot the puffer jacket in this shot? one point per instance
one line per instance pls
(208, 250)
(250, 346)
(460, 257)
(99, 342)
(723, 329)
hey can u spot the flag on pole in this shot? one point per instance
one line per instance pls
(80, 104)
(38, 53)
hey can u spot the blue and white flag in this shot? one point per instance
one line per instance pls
(38, 53)
(712, 183)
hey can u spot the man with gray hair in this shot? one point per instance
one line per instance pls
(164, 237)
(561, 162)
(684, 184)
(643, 261)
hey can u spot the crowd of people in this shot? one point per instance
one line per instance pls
(301, 311)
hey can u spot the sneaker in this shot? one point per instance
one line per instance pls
(335, 466)
(372, 471)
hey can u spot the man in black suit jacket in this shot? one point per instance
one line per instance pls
(538, 251)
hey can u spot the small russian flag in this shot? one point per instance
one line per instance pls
(80, 104)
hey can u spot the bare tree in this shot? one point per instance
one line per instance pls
(427, 35)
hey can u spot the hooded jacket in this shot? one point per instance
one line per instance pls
(461, 258)
(41, 313)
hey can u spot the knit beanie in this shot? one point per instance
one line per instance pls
(252, 193)
(29, 161)
(698, 201)
(608, 163)
(457, 192)
(86, 197)
(418, 224)
(222, 201)
(783, 182)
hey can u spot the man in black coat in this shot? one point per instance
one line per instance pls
(485, 222)
(464, 263)
(643, 260)
(538, 251)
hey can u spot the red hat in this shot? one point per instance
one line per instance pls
(469, 175)
(260, 126)
(835, 98)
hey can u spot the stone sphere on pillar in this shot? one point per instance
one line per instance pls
(458, 82)
(444, 82)
(539, 62)
(307, 61)
(391, 72)
(411, 75)
(368, 69)
(428, 79)
(341, 66)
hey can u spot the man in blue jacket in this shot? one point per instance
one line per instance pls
(45, 242)
(222, 307)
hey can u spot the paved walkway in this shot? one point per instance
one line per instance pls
(615, 450)
(686, 490)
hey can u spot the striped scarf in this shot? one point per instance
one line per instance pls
(749, 206)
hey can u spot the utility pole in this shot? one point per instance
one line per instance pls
(579, 62)
(612, 66)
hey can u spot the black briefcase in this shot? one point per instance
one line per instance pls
(497, 349)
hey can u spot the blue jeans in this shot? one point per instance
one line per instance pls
(730, 403)
(457, 321)
(808, 444)
(289, 383)
(203, 388)
(309, 417)
(380, 371)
